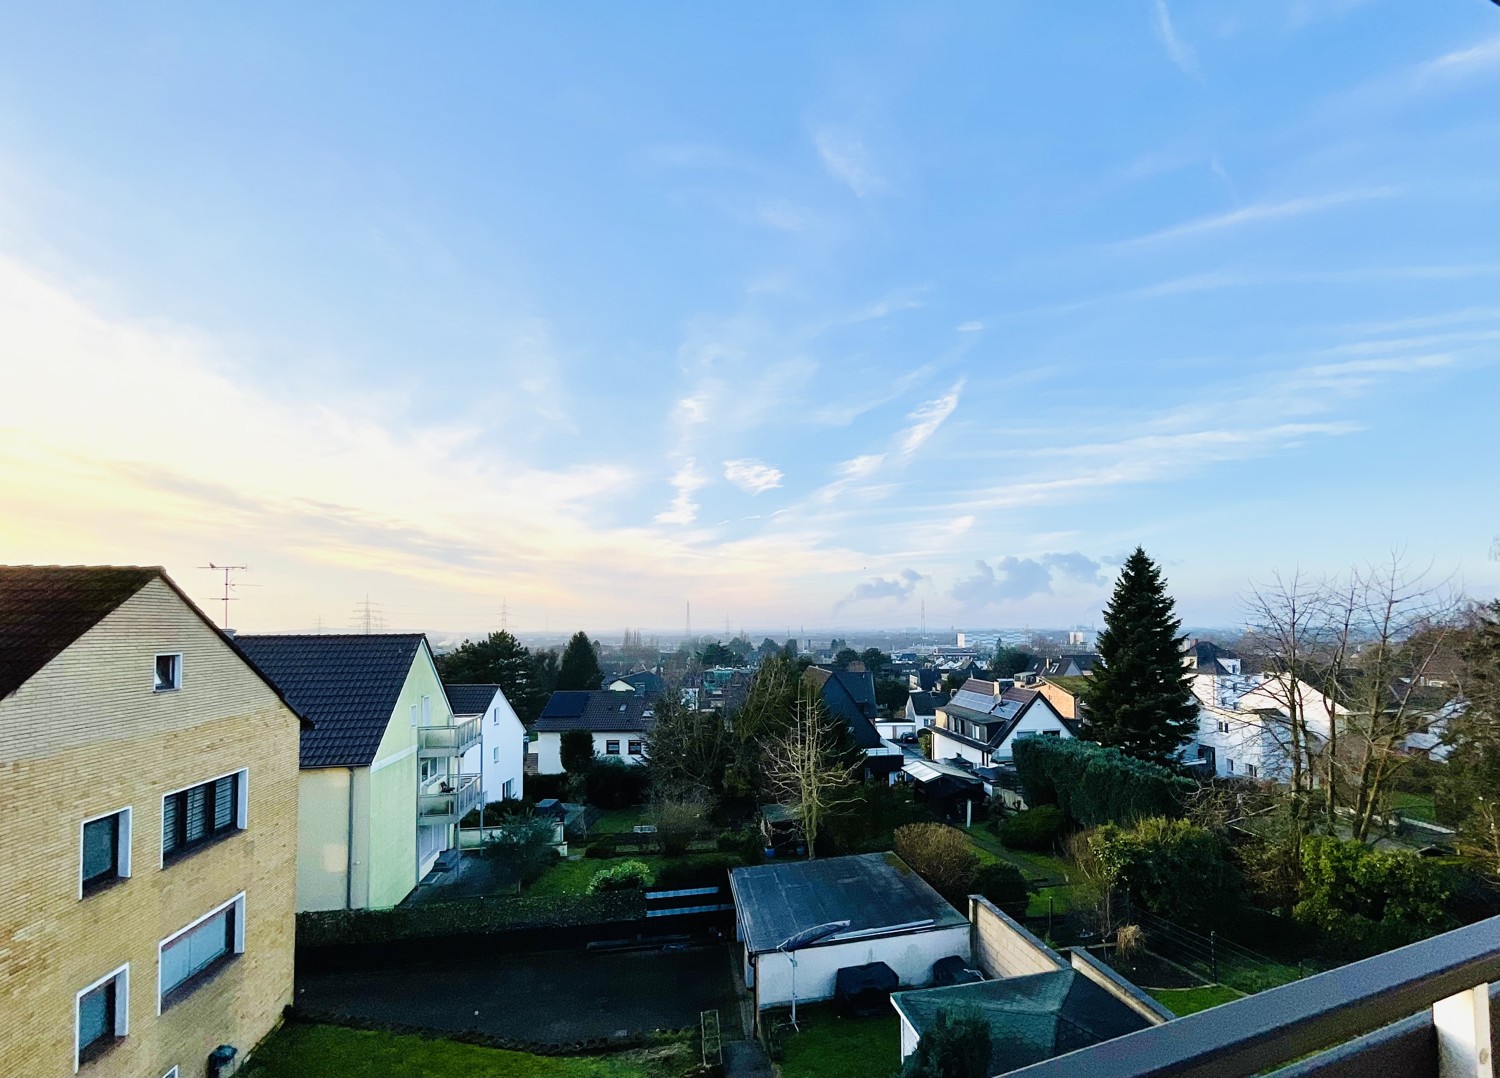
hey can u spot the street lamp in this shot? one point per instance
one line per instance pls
(795, 942)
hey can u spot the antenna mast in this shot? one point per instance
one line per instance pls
(226, 599)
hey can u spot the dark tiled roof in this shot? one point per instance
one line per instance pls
(346, 684)
(922, 704)
(852, 696)
(872, 890)
(44, 608)
(646, 682)
(470, 699)
(600, 710)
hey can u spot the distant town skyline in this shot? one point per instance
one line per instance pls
(565, 319)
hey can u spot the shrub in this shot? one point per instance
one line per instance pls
(626, 876)
(1095, 785)
(1169, 867)
(542, 787)
(868, 820)
(678, 823)
(1034, 829)
(1003, 884)
(941, 855)
(612, 783)
(576, 748)
(600, 849)
(956, 1045)
(1370, 900)
(525, 842)
(701, 870)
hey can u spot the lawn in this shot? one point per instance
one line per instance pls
(617, 821)
(1413, 806)
(1034, 866)
(1184, 1001)
(300, 1051)
(830, 1046)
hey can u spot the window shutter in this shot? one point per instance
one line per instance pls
(197, 813)
(224, 803)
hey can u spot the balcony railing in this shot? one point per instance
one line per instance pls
(455, 740)
(1423, 1010)
(447, 800)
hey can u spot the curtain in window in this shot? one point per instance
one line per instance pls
(100, 838)
(192, 952)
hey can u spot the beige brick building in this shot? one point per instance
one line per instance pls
(148, 829)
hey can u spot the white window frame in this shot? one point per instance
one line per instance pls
(241, 808)
(122, 844)
(179, 665)
(413, 712)
(426, 711)
(122, 1007)
(238, 902)
(171, 1073)
(496, 755)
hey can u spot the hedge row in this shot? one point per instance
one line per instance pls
(1094, 785)
(587, 1046)
(327, 928)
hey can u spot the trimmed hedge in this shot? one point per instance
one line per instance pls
(699, 870)
(1094, 785)
(332, 928)
(1003, 884)
(1034, 829)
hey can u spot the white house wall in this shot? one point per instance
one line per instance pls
(1038, 719)
(945, 747)
(910, 954)
(549, 750)
(501, 730)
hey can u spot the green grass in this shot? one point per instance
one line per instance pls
(617, 821)
(1414, 806)
(1183, 1001)
(1034, 866)
(833, 1047)
(572, 877)
(299, 1051)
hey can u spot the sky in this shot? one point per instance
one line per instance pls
(807, 315)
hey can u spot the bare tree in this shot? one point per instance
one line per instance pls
(805, 769)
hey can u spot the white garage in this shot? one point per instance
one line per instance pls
(893, 917)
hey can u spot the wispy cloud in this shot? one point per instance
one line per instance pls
(684, 509)
(848, 160)
(1258, 212)
(1181, 53)
(969, 327)
(752, 476)
(928, 418)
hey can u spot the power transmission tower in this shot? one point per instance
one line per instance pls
(504, 616)
(226, 598)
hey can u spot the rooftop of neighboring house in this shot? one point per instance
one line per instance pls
(599, 710)
(851, 695)
(927, 703)
(44, 609)
(470, 699)
(644, 682)
(1206, 657)
(347, 684)
(1030, 1018)
(870, 891)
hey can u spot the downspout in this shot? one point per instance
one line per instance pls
(349, 847)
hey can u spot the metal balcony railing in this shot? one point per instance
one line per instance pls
(454, 740)
(447, 800)
(1427, 1009)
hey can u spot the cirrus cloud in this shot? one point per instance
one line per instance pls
(752, 476)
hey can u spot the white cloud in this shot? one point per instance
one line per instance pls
(929, 417)
(1260, 211)
(1180, 51)
(784, 216)
(860, 467)
(847, 160)
(684, 510)
(752, 476)
(880, 587)
(970, 327)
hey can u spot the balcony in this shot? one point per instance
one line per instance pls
(455, 740)
(1428, 1010)
(447, 799)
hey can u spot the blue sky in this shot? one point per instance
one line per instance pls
(806, 314)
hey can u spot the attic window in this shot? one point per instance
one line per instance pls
(622, 709)
(168, 673)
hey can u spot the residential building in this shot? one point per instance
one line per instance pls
(1244, 728)
(381, 791)
(500, 756)
(642, 683)
(920, 712)
(1206, 657)
(982, 721)
(850, 695)
(1067, 664)
(619, 722)
(148, 830)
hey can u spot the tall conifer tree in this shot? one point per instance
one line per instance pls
(579, 668)
(1138, 698)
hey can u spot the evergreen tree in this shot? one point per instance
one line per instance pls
(579, 668)
(956, 1045)
(1139, 697)
(498, 659)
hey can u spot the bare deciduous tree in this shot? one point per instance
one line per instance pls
(804, 768)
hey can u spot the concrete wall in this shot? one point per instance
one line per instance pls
(87, 736)
(1003, 948)
(323, 850)
(910, 954)
(1117, 986)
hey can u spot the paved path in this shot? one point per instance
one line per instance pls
(746, 1059)
(550, 996)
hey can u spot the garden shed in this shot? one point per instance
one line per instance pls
(893, 917)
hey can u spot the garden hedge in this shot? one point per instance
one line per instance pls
(331, 928)
(1094, 785)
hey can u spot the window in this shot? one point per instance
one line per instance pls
(426, 711)
(1231, 767)
(103, 1015)
(635, 748)
(611, 748)
(414, 716)
(202, 813)
(496, 754)
(168, 673)
(1052, 733)
(1250, 770)
(508, 791)
(194, 954)
(1223, 727)
(427, 770)
(105, 851)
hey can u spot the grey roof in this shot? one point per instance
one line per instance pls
(1031, 1018)
(470, 699)
(922, 703)
(599, 710)
(870, 891)
(850, 694)
(646, 682)
(346, 684)
(45, 608)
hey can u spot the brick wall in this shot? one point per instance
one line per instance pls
(1003, 948)
(86, 736)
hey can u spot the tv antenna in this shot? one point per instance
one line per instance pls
(229, 584)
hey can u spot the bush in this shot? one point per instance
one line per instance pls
(1370, 900)
(701, 870)
(612, 783)
(523, 841)
(868, 821)
(1034, 829)
(956, 1045)
(678, 823)
(600, 849)
(542, 787)
(1170, 867)
(496, 810)
(576, 748)
(626, 876)
(748, 844)
(1094, 785)
(941, 855)
(1003, 884)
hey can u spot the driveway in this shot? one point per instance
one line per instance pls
(554, 997)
